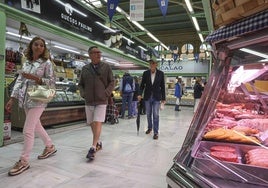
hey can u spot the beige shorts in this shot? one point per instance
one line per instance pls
(95, 113)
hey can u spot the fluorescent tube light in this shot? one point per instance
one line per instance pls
(153, 37)
(254, 53)
(66, 49)
(17, 35)
(125, 64)
(196, 23)
(72, 8)
(189, 6)
(119, 9)
(106, 27)
(142, 48)
(201, 38)
(163, 45)
(137, 24)
(128, 40)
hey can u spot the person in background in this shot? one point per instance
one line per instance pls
(127, 88)
(153, 89)
(135, 97)
(96, 85)
(198, 89)
(37, 70)
(178, 94)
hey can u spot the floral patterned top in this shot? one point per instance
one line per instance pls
(40, 68)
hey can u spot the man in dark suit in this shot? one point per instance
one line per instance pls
(153, 89)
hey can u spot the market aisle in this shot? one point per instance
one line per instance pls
(127, 159)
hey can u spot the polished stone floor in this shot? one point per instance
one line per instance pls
(127, 160)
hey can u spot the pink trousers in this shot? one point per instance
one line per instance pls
(33, 125)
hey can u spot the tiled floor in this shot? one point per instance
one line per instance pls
(127, 159)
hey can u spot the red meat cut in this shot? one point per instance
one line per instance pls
(225, 156)
(223, 149)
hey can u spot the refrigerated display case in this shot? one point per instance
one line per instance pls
(227, 141)
(66, 107)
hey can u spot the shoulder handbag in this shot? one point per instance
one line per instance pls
(41, 93)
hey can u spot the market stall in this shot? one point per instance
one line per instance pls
(227, 142)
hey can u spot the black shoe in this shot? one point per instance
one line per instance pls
(91, 154)
(155, 137)
(148, 131)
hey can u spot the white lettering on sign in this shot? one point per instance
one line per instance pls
(75, 22)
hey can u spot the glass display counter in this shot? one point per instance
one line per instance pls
(66, 107)
(227, 141)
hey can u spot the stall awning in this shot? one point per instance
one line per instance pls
(252, 23)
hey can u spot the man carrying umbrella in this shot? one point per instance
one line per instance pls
(153, 86)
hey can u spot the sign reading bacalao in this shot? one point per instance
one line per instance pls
(136, 8)
(184, 66)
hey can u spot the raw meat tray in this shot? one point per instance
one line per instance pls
(240, 171)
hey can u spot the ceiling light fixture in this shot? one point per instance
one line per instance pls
(254, 53)
(196, 25)
(142, 48)
(125, 65)
(128, 40)
(163, 45)
(152, 36)
(66, 49)
(137, 24)
(17, 35)
(95, 3)
(189, 6)
(201, 37)
(72, 8)
(106, 27)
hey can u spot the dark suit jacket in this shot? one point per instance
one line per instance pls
(157, 89)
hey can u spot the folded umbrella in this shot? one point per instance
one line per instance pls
(138, 117)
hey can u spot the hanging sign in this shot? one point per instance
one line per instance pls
(163, 5)
(112, 4)
(136, 8)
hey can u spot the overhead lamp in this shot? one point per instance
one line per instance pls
(201, 37)
(254, 52)
(119, 9)
(125, 64)
(189, 6)
(66, 49)
(106, 27)
(152, 36)
(163, 45)
(17, 35)
(71, 8)
(142, 48)
(196, 23)
(137, 24)
(109, 60)
(95, 3)
(128, 40)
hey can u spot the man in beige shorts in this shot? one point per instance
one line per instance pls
(96, 85)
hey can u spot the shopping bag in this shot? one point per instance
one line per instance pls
(178, 101)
